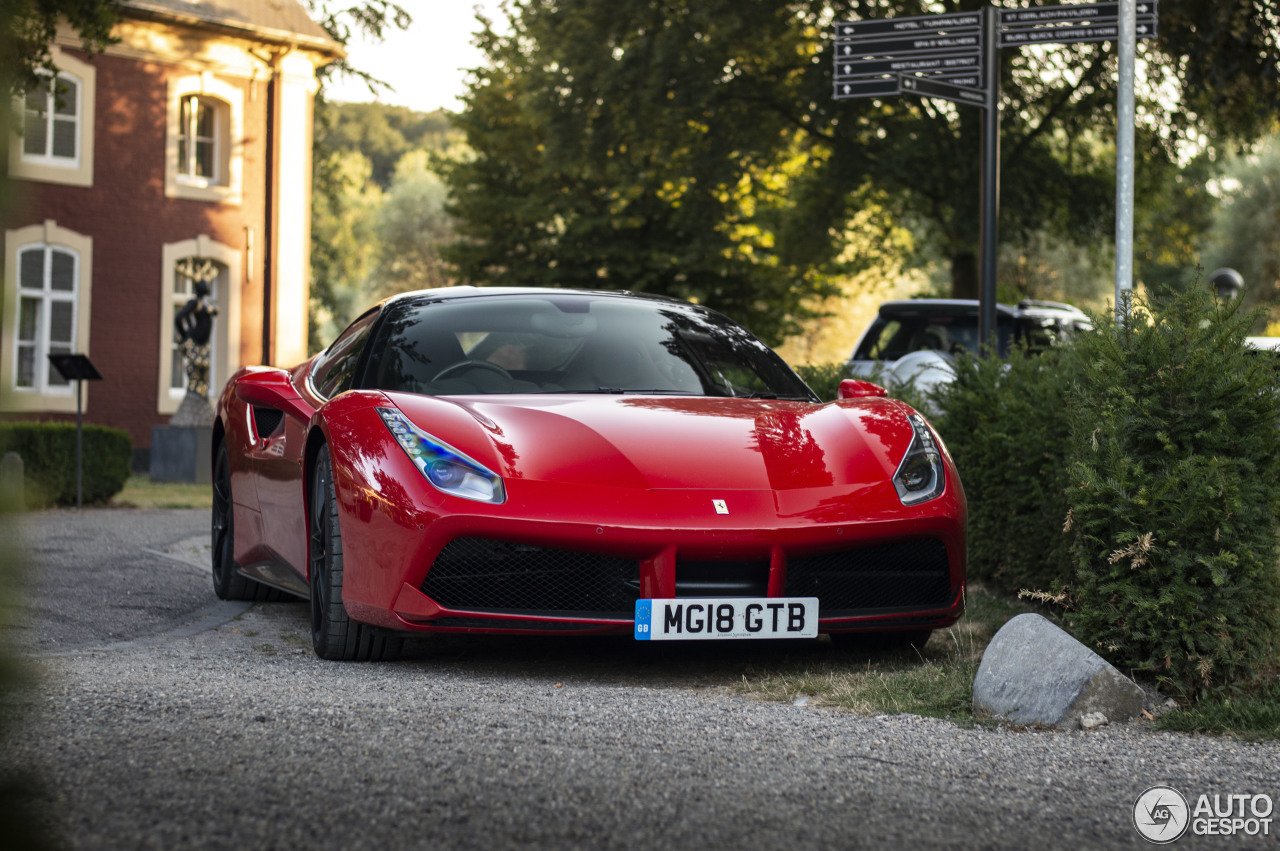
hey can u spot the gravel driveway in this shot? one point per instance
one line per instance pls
(154, 727)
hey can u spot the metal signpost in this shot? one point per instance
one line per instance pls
(77, 368)
(954, 57)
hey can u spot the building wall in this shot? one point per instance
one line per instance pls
(138, 219)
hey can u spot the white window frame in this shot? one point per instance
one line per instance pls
(225, 185)
(224, 349)
(45, 298)
(46, 168)
(50, 115)
(43, 397)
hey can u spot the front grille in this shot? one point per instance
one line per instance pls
(483, 574)
(910, 575)
(532, 626)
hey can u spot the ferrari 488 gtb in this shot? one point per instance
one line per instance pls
(556, 461)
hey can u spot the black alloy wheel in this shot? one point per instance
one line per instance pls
(333, 634)
(228, 583)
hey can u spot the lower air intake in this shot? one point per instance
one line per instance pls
(909, 575)
(479, 574)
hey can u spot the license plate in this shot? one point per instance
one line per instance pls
(728, 617)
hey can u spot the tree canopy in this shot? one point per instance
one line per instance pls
(27, 28)
(695, 148)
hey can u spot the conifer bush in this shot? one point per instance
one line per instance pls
(1003, 423)
(1173, 494)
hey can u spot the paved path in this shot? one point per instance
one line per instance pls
(238, 737)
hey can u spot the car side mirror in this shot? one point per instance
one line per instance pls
(856, 388)
(273, 392)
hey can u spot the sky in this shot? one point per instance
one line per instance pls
(425, 63)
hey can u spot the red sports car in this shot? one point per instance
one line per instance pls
(557, 461)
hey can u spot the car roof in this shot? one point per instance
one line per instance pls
(461, 292)
(970, 306)
(938, 307)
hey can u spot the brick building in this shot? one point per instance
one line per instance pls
(181, 152)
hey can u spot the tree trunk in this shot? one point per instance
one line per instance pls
(964, 275)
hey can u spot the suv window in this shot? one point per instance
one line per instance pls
(897, 337)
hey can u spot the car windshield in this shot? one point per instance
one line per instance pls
(893, 337)
(571, 343)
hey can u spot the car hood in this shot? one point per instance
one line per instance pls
(671, 442)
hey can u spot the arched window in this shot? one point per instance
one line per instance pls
(52, 140)
(51, 121)
(48, 290)
(202, 141)
(186, 273)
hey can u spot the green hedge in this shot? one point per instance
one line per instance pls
(1004, 423)
(1173, 494)
(48, 452)
(1156, 449)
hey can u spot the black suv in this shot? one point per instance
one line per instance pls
(945, 327)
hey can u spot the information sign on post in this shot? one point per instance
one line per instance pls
(77, 368)
(954, 57)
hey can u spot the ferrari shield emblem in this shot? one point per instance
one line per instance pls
(720, 506)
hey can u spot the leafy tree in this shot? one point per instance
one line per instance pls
(411, 225)
(385, 133)
(598, 162)
(630, 142)
(369, 18)
(1246, 229)
(333, 179)
(27, 28)
(344, 244)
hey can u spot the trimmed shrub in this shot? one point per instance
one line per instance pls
(1004, 425)
(823, 378)
(1173, 493)
(48, 452)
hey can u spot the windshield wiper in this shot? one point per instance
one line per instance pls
(769, 394)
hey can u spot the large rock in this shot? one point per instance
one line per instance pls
(1034, 673)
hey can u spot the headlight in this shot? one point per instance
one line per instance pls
(446, 468)
(920, 476)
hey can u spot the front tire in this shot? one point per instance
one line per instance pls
(228, 583)
(333, 634)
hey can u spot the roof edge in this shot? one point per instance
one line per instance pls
(156, 12)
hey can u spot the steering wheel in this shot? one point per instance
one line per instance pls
(464, 365)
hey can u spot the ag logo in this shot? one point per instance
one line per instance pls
(720, 506)
(1161, 814)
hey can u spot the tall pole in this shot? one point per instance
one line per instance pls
(1125, 114)
(990, 195)
(79, 439)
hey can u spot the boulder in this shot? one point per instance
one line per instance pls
(1035, 673)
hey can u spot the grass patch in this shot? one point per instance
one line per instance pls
(936, 680)
(1253, 715)
(141, 492)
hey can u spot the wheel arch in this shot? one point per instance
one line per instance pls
(316, 443)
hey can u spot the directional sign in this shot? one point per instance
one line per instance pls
(966, 41)
(1080, 12)
(922, 24)
(929, 87)
(1100, 30)
(895, 66)
(867, 88)
(969, 81)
